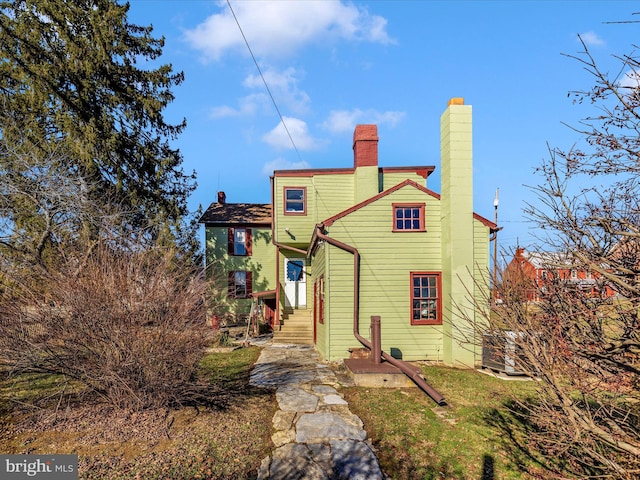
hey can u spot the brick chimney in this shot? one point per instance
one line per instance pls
(365, 146)
(365, 162)
(222, 198)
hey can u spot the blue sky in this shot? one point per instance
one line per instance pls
(333, 64)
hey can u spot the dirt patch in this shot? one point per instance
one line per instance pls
(98, 423)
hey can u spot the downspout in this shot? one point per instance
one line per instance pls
(416, 377)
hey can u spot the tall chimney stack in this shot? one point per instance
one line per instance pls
(456, 203)
(222, 197)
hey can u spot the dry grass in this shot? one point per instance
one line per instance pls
(226, 442)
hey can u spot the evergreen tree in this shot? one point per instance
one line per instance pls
(73, 80)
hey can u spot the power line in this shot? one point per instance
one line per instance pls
(264, 81)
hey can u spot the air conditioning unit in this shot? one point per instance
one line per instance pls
(502, 353)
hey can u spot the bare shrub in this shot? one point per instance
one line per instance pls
(583, 341)
(129, 325)
(584, 421)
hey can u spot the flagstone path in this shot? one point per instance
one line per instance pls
(315, 434)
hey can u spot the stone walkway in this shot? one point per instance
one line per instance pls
(316, 436)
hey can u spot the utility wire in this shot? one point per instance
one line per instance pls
(264, 81)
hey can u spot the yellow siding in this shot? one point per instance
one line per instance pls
(326, 196)
(482, 275)
(300, 226)
(332, 194)
(366, 183)
(391, 179)
(317, 269)
(261, 263)
(387, 258)
(339, 304)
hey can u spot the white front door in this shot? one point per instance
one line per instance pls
(295, 283)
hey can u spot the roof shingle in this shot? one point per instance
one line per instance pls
(237, 213)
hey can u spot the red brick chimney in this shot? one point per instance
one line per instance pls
(365, 146)
(222, 198)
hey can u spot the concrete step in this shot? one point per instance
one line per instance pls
(293, 333)
(295, 339)
(297, 321)
(301, 330)
(297, 318)
(297, 327)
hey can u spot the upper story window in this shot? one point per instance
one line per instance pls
(426, 298)
(408, 217)
(295, 200)
(239, 242)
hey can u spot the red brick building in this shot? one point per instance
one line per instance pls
(536, 270)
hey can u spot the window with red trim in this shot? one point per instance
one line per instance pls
(240, 284)
(295, 200)
(426, 298)
(239, 242)
(408, 217)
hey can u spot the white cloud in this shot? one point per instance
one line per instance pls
(279, 28)
(283, 86)
(280, 80)
(341, 121)
(282, 164)
(279, 138)
(591, 38)
(246, 106)
(225, 111)
(631, 80)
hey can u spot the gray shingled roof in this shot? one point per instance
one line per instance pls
(237, 214)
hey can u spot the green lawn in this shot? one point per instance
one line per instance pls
(416, 439)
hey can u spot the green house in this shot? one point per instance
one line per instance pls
(337, 246)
